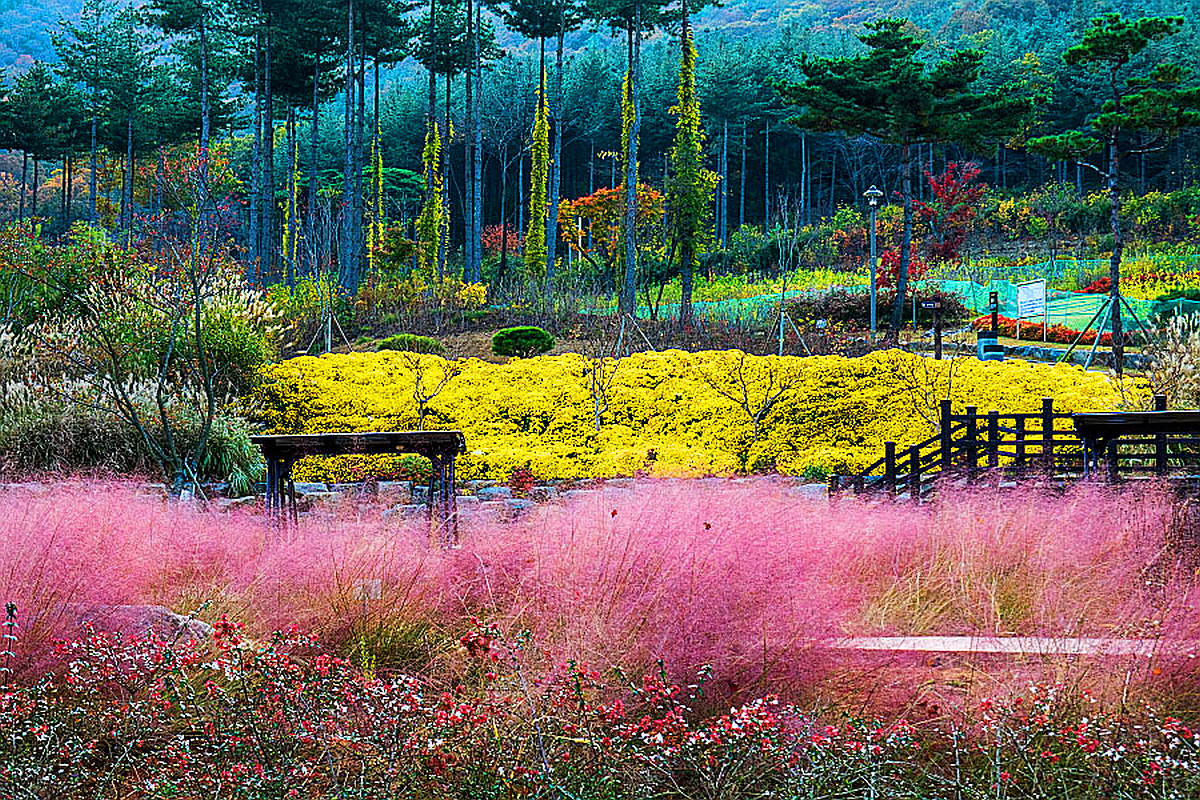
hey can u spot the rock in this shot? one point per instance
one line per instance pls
(493, 509)
(311, 488)
(543, 494)
(810, 491)
(406, 511)
(475, 486)
(420, 494)
(517, 505)
(577, 494)
(396, 490)
(141, 620)
(618, 483)
(235, 503)
(466, 502)
(617, 493)
(494, 493)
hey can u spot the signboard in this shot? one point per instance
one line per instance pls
(1031, 299)
(931, 305)
(993, 302)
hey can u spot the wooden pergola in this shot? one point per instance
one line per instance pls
(282, 451)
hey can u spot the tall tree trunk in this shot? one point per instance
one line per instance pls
(477, 151)
(310, 222)
(204, 101)
(444, 235)
(94, 167)
(628, 303)
(556, 157)
(268, 200)
(906, 242)
(346, 249)
(521, 191)
(832, 182)
(33, 198)
(767, 178)
(804, 182)
(468, 152)
(127, 201)
(293, 208)
(255, 238)
(359, 157)
(742, 180)
(69, 168)
(1114, 262)
(502, 272)
(24, 186)
(378, 212)
(724, 187)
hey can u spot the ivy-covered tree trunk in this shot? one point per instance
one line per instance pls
(1114, 262)
(556, 158)
(539, 167)
(906, 241)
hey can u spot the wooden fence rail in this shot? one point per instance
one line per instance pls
(973, 445)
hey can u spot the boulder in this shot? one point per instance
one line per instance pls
(141, 620)
(543, 494)
(494, 493)
(249, 502)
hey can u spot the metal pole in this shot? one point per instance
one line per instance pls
(873, 272)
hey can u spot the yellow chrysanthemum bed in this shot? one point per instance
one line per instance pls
(668, 413)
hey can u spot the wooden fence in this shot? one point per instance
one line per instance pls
(973, 446)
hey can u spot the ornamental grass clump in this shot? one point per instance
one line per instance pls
(743, 579)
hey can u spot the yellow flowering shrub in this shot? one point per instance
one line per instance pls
(670, 413)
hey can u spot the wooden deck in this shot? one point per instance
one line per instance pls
(282, 451)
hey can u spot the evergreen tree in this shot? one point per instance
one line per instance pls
(1151, 103)
(539, 168)
(891, 92)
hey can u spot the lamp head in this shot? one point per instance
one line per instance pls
(873, 194)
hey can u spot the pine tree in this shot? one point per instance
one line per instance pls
(1153, 104)
(892, 93)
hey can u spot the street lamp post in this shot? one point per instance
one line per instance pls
(873, 194)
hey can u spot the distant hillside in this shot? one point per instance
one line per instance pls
(26, 23)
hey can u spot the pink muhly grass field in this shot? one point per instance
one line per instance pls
(739, 576)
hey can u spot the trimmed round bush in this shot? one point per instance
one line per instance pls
(412, 343)
(523, 341)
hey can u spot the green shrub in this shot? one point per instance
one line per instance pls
(523, 341)
(48, 434)
(412, 343)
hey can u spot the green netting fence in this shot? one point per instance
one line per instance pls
(1071, 309)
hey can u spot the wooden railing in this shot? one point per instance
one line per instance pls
(972, 445)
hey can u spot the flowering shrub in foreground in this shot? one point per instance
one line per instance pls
(141, 718)
(833, 413)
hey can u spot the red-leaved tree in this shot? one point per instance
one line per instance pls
(956, 196)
